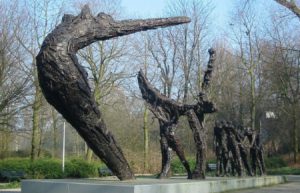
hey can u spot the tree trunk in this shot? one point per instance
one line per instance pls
(253, 99)
(54, 133)
(35, 124)
(146, 140)
(64, 81)
(295, 135)
(89, 155)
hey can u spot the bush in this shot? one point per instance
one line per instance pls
(51, 168)
(178, 168)
(275, 162)
(284, 171)
(81, 169)
(15, 164)
(46, 169)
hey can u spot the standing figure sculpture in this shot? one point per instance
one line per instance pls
(256, 152)
(221, 150)
(218, 136)
(232, 153)
(196, 118)
(168, 111)
(64, 81)
(232, 145)
(240, 138)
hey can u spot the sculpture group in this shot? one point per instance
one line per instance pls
(65, 86)
(235, 147)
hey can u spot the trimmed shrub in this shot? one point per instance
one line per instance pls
(178, 168)
(15, 164)
(51, 168)
(46, 169)
(275, 162)
(77, 168)
(284, 171)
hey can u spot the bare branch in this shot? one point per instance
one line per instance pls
(291, 5)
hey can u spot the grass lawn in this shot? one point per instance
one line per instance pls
(10, 185)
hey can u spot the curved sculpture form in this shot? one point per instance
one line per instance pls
(64, 81)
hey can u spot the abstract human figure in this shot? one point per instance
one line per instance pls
(196, 121)
(256, 152)
(240, 138)
(196, 118)
(167, 111)
(232, 146)
(218, 139)
(64, 81)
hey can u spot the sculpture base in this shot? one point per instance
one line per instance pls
(147, 185)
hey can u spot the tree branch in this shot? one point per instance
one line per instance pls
(291, 5)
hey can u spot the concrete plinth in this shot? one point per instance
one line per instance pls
(148, 185)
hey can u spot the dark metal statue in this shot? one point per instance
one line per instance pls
(168, 111)
(233, 148)
(64, 81)
(220, 147)
(256, 152)
(196, 119)
(240, 138)
(232, 152)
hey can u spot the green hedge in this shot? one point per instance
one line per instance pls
(275, 162)
(284, 171)
(51, 168)
(178, 168)
(81, 169)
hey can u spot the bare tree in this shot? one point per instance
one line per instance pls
(164, 52)
(246, 32)
(283, 59)
(192, 42)
(14, 84)
(35, 28)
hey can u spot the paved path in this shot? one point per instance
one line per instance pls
(293, 186)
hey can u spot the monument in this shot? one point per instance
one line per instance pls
(65, 86)
(168, 111)
(64, 81)
(231, 147)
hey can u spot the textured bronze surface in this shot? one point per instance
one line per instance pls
(64, 81)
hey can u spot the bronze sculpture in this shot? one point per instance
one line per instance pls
(196, 119)
(231, 148)
(168, 111)
(256, 151)
(64, 81)
(220, 147)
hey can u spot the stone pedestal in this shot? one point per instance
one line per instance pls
(147, 185)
